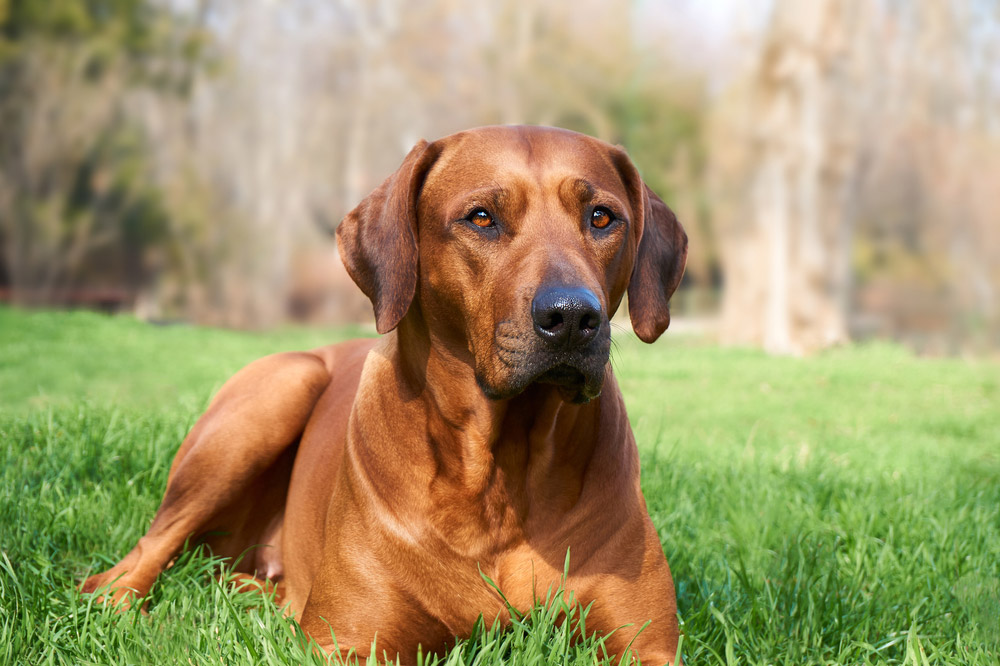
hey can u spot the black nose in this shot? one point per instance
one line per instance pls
(566, 317)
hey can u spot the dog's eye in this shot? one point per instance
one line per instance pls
(480, 218)
(601, 217)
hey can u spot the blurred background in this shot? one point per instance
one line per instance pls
(836, 163)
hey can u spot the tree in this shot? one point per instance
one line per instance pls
(75, 203)
(848, 174)
(788, 149)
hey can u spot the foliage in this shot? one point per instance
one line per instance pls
(78, 204)
(104, 33)
(226, 176)
(843, 509)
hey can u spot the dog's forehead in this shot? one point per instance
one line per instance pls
(498, 156)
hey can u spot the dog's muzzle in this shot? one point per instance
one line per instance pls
(566, 343)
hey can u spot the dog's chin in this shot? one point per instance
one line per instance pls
(575, 384)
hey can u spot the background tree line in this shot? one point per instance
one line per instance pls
(834, 162)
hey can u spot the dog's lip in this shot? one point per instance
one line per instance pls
(579, 373)
(563, 374)
(578, 383)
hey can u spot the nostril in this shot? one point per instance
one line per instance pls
(590, 320)
(551, 321)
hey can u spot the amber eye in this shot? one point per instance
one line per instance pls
(480, 218)
(601, 217)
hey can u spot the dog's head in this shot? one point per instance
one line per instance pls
(516, 245)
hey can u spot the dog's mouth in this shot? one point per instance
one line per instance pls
(573, 384)
(562, 375)
(578, 375)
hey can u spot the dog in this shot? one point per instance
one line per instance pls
(374, 483)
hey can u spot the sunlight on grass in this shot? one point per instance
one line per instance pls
(843, 509)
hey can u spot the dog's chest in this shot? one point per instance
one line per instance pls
(520, 579)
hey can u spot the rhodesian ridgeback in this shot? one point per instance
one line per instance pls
(373, 481)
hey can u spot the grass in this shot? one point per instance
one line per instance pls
(843, 509)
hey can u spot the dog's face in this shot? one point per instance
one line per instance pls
(526, 243)
(517, 245)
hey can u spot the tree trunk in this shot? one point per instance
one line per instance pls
(787, 241)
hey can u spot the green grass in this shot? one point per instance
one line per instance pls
(841, 509)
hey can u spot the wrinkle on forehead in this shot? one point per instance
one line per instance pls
(511, 158)
(502, 147)
(574, 191)
(529, 147)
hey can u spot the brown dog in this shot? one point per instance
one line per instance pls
(484, 432)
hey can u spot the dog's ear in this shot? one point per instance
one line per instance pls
(378, 239)
(659, 266)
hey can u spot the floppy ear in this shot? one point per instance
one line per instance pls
(659, 266)
(377, 240)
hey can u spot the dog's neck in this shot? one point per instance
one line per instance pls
(477, 434)
(471, 466)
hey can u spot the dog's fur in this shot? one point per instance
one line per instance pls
(382, 476)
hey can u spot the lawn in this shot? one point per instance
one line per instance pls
(842, 509)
